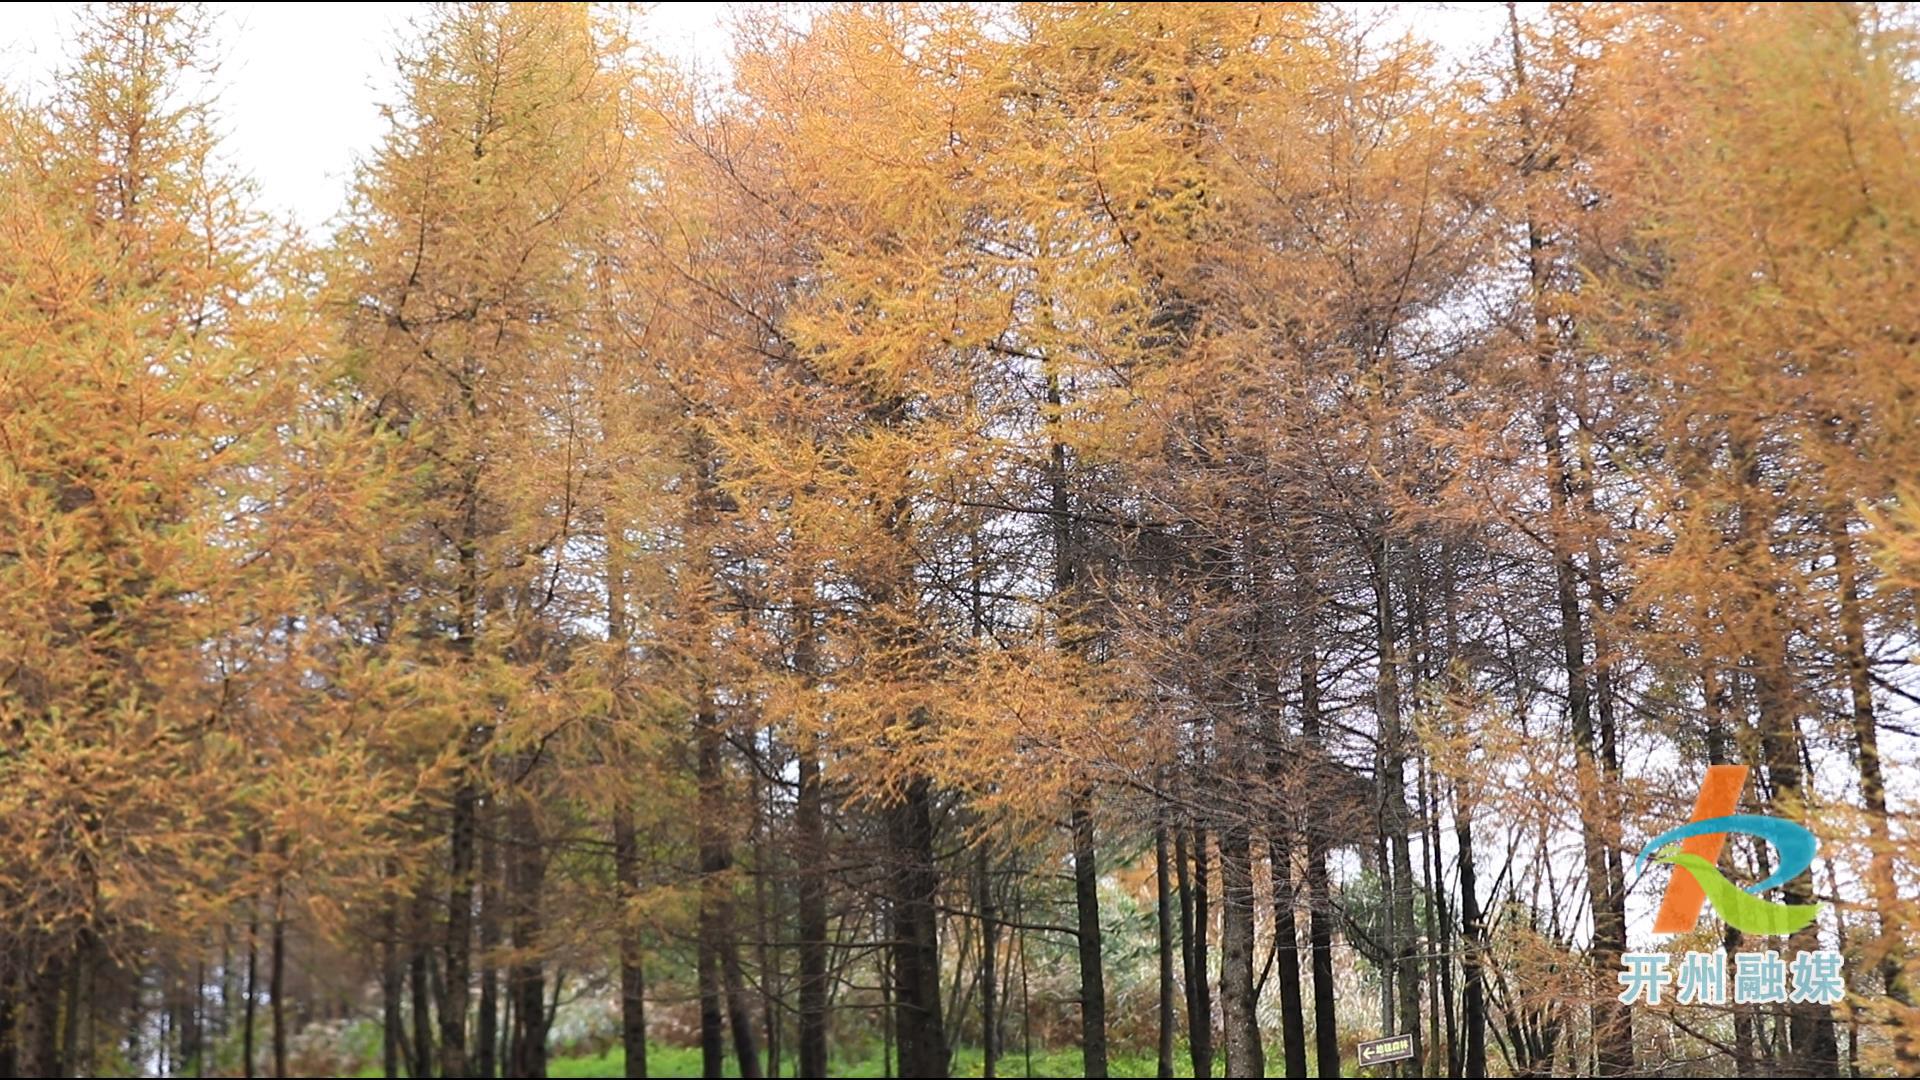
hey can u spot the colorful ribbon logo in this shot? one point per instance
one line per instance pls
(1697, 880)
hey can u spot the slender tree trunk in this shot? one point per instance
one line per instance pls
(916, 950)
(1265, 666)
(1184, 883)
(509, 1026)
(277, 979)
(1473, 1002)
(1241, 1022)
(722, 985)
(1873, 785)
(713, 1044)
(487, 1028)
(417, 980)
(1326, 1039)
(1395, 819)
(810, 825)
(1093, 990)
(633, 979)
(387, 994)
(459, 941)
(713, 864)
(70, 1030)
(1163, 922)
(989, 988)
(1200, 1022)
(1611, 1020)
(763, 864)
(1810, 1030)
(1719, 739)
(390, 993)
(1293, 1021)
(526, 978)
(739, 1007)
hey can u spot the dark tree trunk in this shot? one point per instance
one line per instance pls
(1240, 1023)
(713, 864)
(913, 907)
(1473, 1000)
(417, 984)
(487, 1027)
(1194, 919)
(459, 942)
(1293, 1021)
(526, 978)
(989, 987)
(247, 1007)
(739, 1008)
(810, 824)
(37, 1021)
(1612, 1023)
(633, 977)
(277, 980)
(390, 992)
(1163, 922)
(713, 1022)
(1326, 1038)
(1093, 989)
(1873, 783)
(1395, 819)
(722, 989)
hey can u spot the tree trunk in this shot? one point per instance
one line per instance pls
(1194, 918)
(390, 993)
(810, 825)
(277, 979)
(1293, 1021)
(1163, 921)
(739, 1008)
(1326, 1038)
(253, 991)
(526, 978)
(459, 941)
(721, 983)
(633, 979)
(1611, 1020)
(1473, 1002)
(1395, 820)
(916, 934)
(1086, 896)
(1240, 1021)
(1866, 755)
(1810, 1030)
(487, 1027)
(989, 987)
(37, 1021)
(417, 980)
(713, 1036)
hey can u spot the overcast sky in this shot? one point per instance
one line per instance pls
(301, 84)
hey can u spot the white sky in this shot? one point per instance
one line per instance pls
(301, 85)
